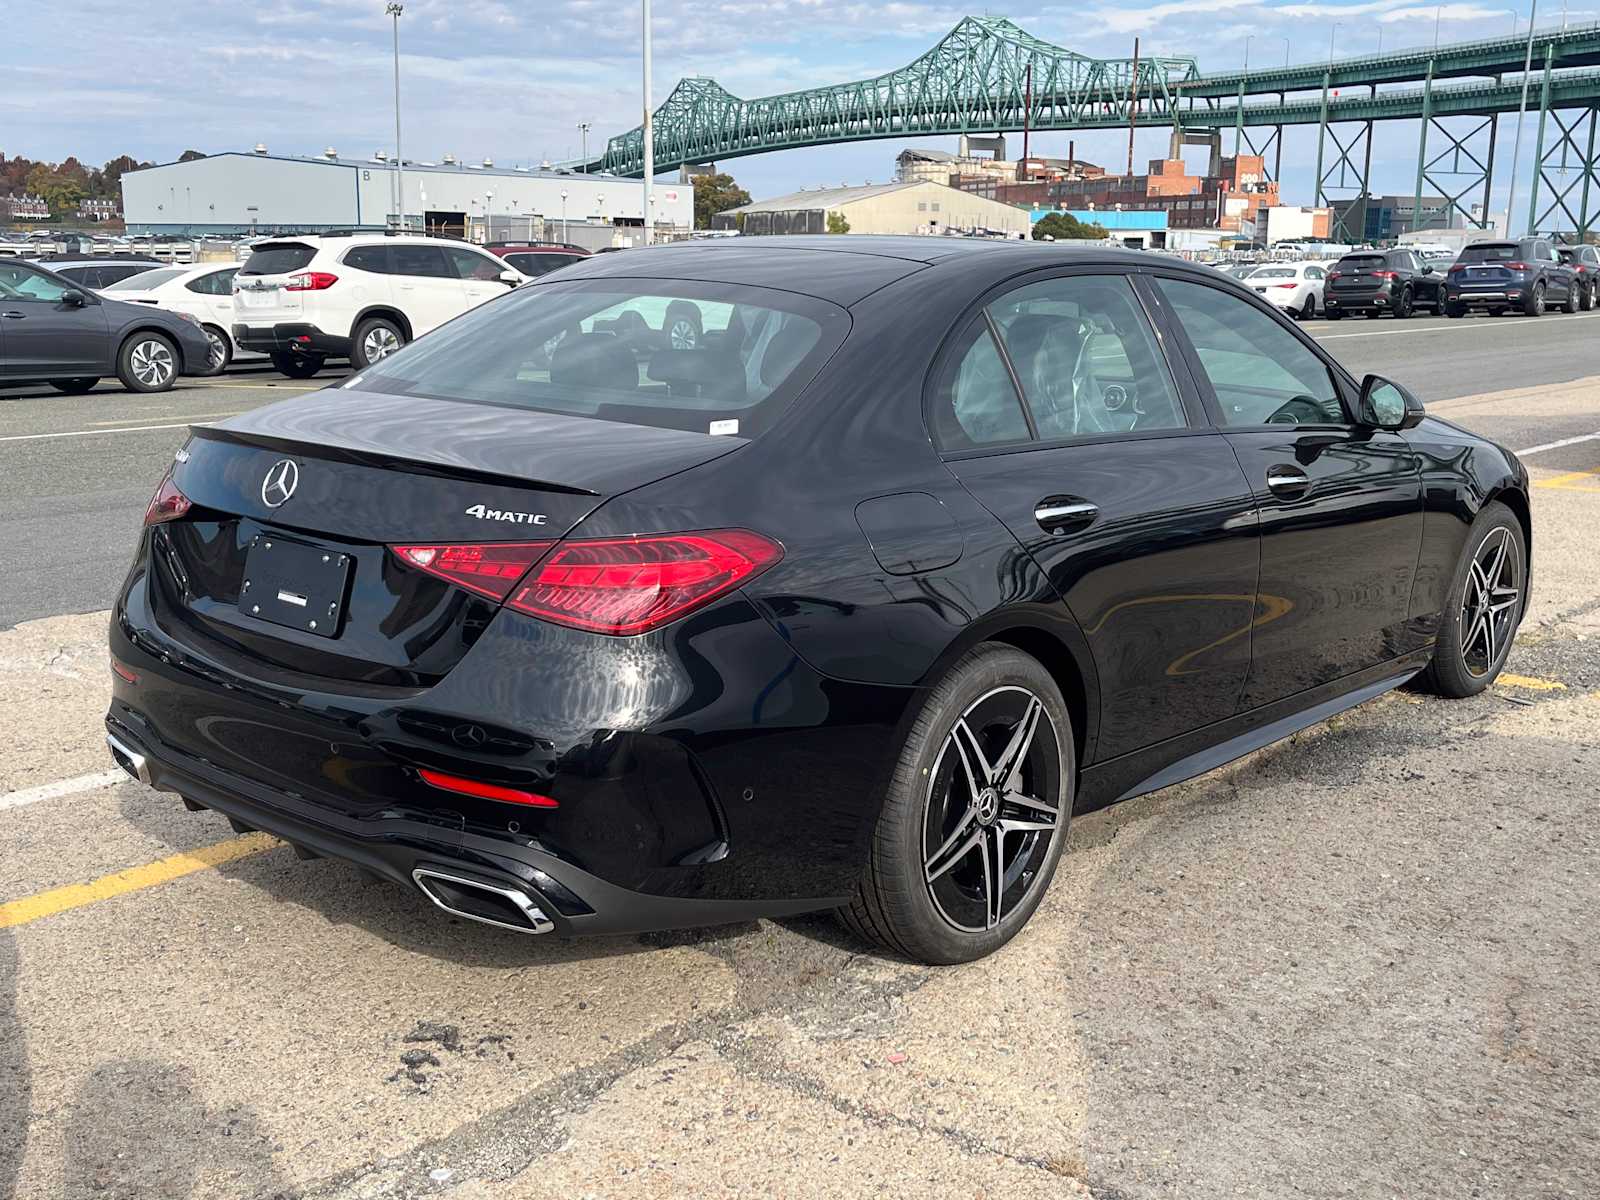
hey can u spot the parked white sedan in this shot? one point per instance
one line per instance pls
(204, 290)
(1296, 286)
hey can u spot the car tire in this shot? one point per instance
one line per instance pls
(375, 339)
(1309, 308)
(1533, 306)
(1570, 304)
(1455, 310)
(683, 326)
(296, 366)
(75, 387)
(148, 362)
(932, 811)
(1586, 300)
(1497, 312)
(1468, 656)
(1333, 315)
(1402, 306)
(221, 349)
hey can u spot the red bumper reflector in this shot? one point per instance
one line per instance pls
(123, 672)
(485, 791)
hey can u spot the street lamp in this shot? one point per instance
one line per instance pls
(1516, 142)
(1238, 131)
(648, 129)
(394, 10)
(563, 214)
(583, 132)
(488, 231)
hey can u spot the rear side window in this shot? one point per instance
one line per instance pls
(217, 283)
(83, 276)
(110, 275)
(1489, 252)
(369, 258)
(709, 358)
(278, 258)
(427, 261)
(974, 401)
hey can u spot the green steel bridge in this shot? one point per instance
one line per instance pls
(987, 75)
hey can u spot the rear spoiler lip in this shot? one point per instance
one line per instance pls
(391, 462)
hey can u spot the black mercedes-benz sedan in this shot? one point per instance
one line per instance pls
(922, 547)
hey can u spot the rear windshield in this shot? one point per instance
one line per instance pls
(706, 357)
(540, 262)
(1275, 273)
(1363, 262)
(278, 258)
(1489, 252)
(145, 280)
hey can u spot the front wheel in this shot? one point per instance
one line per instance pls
(976, 814)
(296, 366)
(74, 387)
(148, 362)
(1484, 606)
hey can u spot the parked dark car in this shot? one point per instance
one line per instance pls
(58, 332)
(1381, 281)
(1585, 263)
(1525, 274)
(538, 258)
(100, 271)
(928, 545)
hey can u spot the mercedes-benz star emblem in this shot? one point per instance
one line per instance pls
(280, 482)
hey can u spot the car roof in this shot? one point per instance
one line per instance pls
(845, 269)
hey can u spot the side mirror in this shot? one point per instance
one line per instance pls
(510, 277)
(1387, 405)
(74, 299)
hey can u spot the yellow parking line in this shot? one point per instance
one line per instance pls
(1569, 481)
(60, 900)
(1531, 683)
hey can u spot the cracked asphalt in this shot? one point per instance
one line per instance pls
(1359, 963)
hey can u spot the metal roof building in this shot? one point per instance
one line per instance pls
(241, 193)
(910, 206)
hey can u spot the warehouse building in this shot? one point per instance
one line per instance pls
(910, 206)
(237, 193)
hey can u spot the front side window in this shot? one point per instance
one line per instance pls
(1087, 358)
(18, 281)
(974, 401)
(719, 359)
(1261, 373)
(88, 277)
(471, 265)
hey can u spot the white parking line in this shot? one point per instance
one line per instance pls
(35, 437)
(1476, 326)
(1571, 441)
(61, 787)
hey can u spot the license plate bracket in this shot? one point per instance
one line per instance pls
(294, 584)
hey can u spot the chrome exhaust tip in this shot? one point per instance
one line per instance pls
(129, 759)
(502, 907)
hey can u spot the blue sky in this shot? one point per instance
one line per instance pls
(512, 80)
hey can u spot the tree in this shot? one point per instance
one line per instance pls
(1065, 227)
(837, 223)
(714, 194)
(190, 156)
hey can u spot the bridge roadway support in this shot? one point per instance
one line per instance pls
(1343, 174)
(1211, 139)
(971, 143)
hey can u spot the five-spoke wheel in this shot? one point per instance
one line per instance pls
(1485, 606)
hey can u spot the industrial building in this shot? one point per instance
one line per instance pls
(1385, 218)
(912, 206)
(237, 193)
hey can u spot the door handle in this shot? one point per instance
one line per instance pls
(1287, 481)
(1057, 514)
(13, 316)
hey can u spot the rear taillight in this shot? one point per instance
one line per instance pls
(1333, 274)
(490, 570)
(1385, 275)
(1516, 266)
(1454, 267)
(168, 504)
(1286, 285)
(633, 585)
(310, 281)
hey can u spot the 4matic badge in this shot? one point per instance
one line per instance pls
(484, 513)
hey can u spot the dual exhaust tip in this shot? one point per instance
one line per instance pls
(472, 899)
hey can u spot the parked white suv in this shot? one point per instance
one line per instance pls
(303, 300)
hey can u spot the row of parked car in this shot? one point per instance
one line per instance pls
(71, 321)
(1526, 275)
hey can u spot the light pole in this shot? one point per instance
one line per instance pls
(583, 132)
(1286, 53)
(1522, 109)
(488, 226)
(563, 214)
(1238, 130)
(394, 10)
(649, 131)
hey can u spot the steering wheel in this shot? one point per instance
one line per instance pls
(1298, 410)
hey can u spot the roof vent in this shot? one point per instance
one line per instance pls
(379, 156)
(261, 147)
(488, 162)
(330, 153)
(449, 160)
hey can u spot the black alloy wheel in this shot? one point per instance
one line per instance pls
(1478, 627)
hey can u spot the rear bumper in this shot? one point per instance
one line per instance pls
(1358, 302)
(567, 900)
(297, 337)
(1485, 299)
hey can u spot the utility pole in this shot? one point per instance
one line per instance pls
(394, 10)
(583, 131)
(649, 131)
(1027, 115)
(1516, 140)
